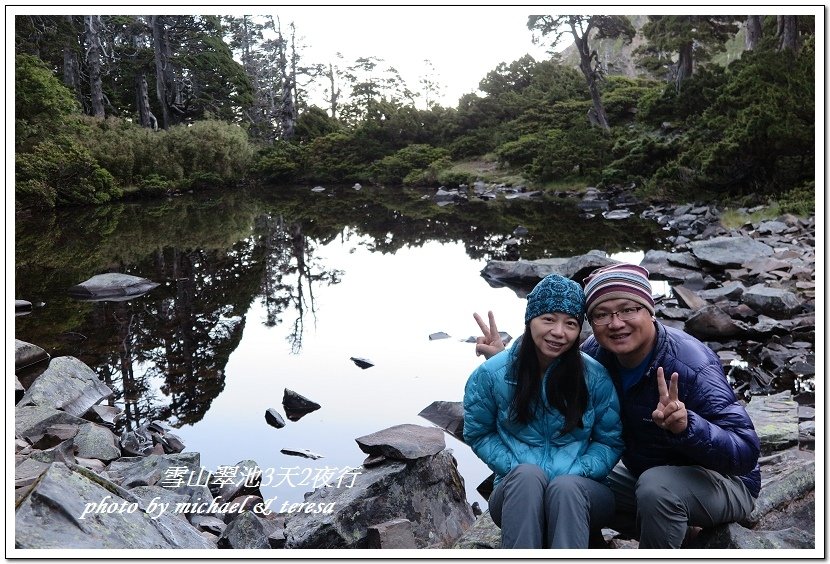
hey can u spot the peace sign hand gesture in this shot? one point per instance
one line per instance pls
(491, 342)
(671, 413)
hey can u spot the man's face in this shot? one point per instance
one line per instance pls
(631, 339)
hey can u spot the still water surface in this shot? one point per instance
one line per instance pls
(260, 293)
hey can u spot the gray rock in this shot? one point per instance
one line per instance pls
(785, 476)
(776, 421)
(688, 297)
(403, 442)
(29, 471)
(711, 322)
(33, 420)
(660, 268)
(302, 452)
(137, 442)
(274, 419)
(438, 335)
(774, 302)
(111, 286)
(448, 415)
(729, 291)
(362, 362)
(483, 534)
(296, 406)
(243, 478)
(429, 492)
(27, 354)
(68, 385)
(95, 441)
(50, 516)
(106, 414)
(617, 214)
(729, 252)
(130, 472)
(396, 533)
(734, 535)
(247, 531)
(209, 524)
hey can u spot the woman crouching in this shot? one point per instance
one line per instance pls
(546, 419)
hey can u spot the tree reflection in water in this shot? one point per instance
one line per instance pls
(164, 354)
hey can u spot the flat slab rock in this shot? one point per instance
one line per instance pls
(111, 286)
(403, 442)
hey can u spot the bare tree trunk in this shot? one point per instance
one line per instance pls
(71, 67)
(161, 58)
(335, 92)
(787, 33)
(753, 32)
(287, 100)
(684, 64)
(92, 23)
(145, 115)
(586, 65)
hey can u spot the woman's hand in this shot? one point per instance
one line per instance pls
(491, 343)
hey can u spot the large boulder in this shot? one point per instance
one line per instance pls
(429, 492)
(112, 286)
(27, 354)
(68, 385)
(774, 302)
(729, 252)
(60, 512)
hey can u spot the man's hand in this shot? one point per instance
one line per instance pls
(671, 413)
(491, 342)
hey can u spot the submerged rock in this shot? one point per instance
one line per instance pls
(297, 406)
(274, 419)
(111, 286)
(362, 362)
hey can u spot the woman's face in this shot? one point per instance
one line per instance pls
(553, 334)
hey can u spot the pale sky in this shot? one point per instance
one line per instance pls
(463, 43)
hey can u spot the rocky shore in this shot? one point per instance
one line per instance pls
(749, 293)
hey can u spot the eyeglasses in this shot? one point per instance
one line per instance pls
(624, 314)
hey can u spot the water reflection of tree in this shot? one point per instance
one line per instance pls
(289, 253)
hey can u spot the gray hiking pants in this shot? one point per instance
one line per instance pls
(665, 500)
(534, 512)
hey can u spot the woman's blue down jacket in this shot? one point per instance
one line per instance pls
(503, 444)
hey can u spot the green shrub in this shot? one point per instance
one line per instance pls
(410, 163)
(65, 169)
(455, 178)
(281, 162)
(334, 158)
(154, 186)
(209, 150)
(800, 200)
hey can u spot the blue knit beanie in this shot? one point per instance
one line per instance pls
(555, 293)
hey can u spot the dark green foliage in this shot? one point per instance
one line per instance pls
(578, 152)
(61, 171)
(416, 164)
(334, 158)
(154, 186)
(313, 123)
(800, 200)
(281, 162)
(41, 103)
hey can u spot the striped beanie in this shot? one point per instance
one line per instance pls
(555, 294)
(617, 281)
